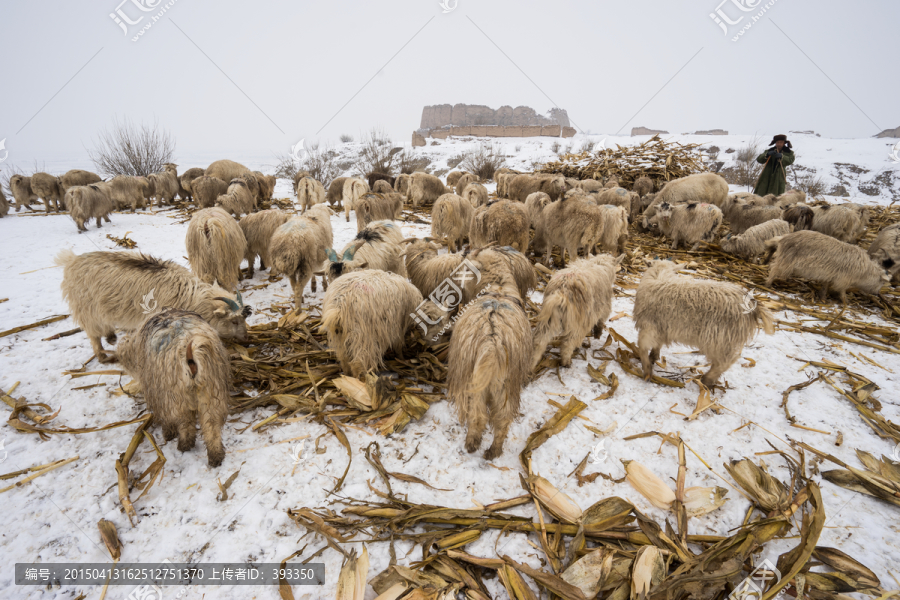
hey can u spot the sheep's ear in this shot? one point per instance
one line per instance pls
(331, 255)
(365, 265)
(348, 255)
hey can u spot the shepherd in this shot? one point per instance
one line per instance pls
(773, 178)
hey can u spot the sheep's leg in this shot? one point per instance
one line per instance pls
(250, 262)
(170, 431)
(597, 331)
(842, 294)
(99, 222)
(312, 284)
(646, 342)
(187, 433)
(562, 257)
(107, 218)
(654, 354)
(212, 418)
(566, 350)
(473, 411)
(496, 449)
(102, 356)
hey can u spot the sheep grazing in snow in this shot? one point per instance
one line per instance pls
(488, 365)
(612, 182)
(522, 185)
(701, 188)
(577, 300)
(258, 229)
(238, 199)
(371, 178)
(793, 196)
(841, 222)
(590, 185)
(638, 208)
(266, 185)
(215, 247)
(688, 223)
(253, 187)
(503, 180)
(382, 187)
(752, 243)
(22, 192)
(207, 190)
(613, 230)
(570, 224)
(708, 315)
(642, 186)
(47, 188)
(226, 170)
(453, 177)
(309, 193)
(4, 204)
(298, 176)
(77, 177)
(618, 197)
(821, 258)
(165, 187)
(426, 268)
(501, 265)
(354, 188)
(451, 219)
(504, 222)
(377, 207)
(187, 179)
(401, 185)
(375, 247)
(648, 219)
(424, 189)
(110, 291)
(297, 248)
(885, 248)
(476, 194)
(185, 374)
(746, 216)
(124, 191)
(534, 204)
(799, 215)
(463, 181)
(365, 314)
(86, 202)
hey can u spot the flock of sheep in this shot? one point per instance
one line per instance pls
(380, 286)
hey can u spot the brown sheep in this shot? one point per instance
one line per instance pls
(165, 187)
(886, 247)
(188, 177)
(841, 222)
(642, 186)
(377, 207)
(266, 185)
(570, 224)
(476, 194)
(113, 291)
(185, 374)
(253, 187)
(88, 202)
(504, 222)
(821, 258)
(124, 191)
(298, 248)
(463, 181)
(309, 193)
(426, 268)
(613, 231)
(424, 189)
(747, 216)
(298, 176)
(618, 197)
(689, 223)
(451, 219)
(23, 194)
(716, 318)
(453, 177)
(258, 229)
(371, 178)
(226, 170)
(402, 184)
(354, 188)
(752, 242)
(535, 204)
(488, 365)
(47, 188)
(522, 185)
(577, 300)
(381, 186)
(375, 247)
(77, 177)
(207, 190)
(4, 204)
(238, 199)
(800, 216)
(706, 188)
(215, 247)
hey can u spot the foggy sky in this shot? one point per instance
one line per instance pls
(237, 79)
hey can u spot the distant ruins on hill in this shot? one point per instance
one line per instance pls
(443, 120)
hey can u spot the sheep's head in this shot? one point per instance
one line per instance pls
(664, 213)
(434, 321)
(338, 266)
(230, 318)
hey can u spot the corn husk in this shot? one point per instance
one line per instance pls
(590, 572)
(514, 584)
(769, 493)
(355, 392)
(393, 592)
(649, 485)
(648, 571)
(352, 580)
(701, 500)
(110, 538)
(558, 503)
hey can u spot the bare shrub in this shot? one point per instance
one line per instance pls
(376, 154)
(346, 138)
(129, 149)
(555, 147)
(318, 162)
(746, 170)
(588, 146)
(408, 162)
(814, 185)
(518, 147)
(454, 161)
(483, 161)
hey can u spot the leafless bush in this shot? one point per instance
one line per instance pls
(588, 146)
(483, 161)
(746, 170)
(809, 182)
(454, 161)
(555, 148)
(129, 149)
(319, 163)
(518, 147)
(376, 154)
(346, 138)
(408, 162)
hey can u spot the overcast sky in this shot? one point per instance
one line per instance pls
(233, 79)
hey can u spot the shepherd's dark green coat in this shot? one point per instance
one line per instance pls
(773, 179)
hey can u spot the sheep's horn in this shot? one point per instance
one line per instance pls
(332, 256)
(412, 239)
(348, 255)
(231, 303)
(239, 299)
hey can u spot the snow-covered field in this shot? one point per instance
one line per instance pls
(54, 518)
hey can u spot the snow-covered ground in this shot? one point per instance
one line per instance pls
(54, 518)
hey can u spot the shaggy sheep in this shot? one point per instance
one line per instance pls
(638, 208)
(165, 187)
(613, 230)
(371, 178)
(569, 224)
(590, 185)
(298, 176)
(841, 222)
(4, 204)
(23, 194)
(298, 248)
(708, 315)
(821, 258)
(377, 207)
(800, 216)
(463, 181)
(88, 202)
(425, 267)
(424, 189)
(642, 186)
(238, 199)
(365, 314)
(504, 222)
(618, 197)
(253, 187)
(124, 191)
(114, 291)
(752, 242)
(521, 186)
(226, 170)
(375, 247)
(258, 229)
(185, 374)
(500, 265)
(266, 185)
(476, 194)
(705, 188)
(488, 365)
(402, 184)
(187, 179)
(47, 188)
(207, 190)
(746, 216)
(309, 193)
(577, 300)
(688, 223)
(353, 190)
(381, 186)
(793, 196)
(886, 247)
(503, 180)
(612, 182)
(534, 205)
(147, 191)
(451, 219)
(215, 247)
(77, 177)
(453, 177)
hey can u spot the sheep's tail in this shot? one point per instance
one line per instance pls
(550, 323)
(490, 368)
(208, 368)
(65, 257)
(764, 319)
(331, 320)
